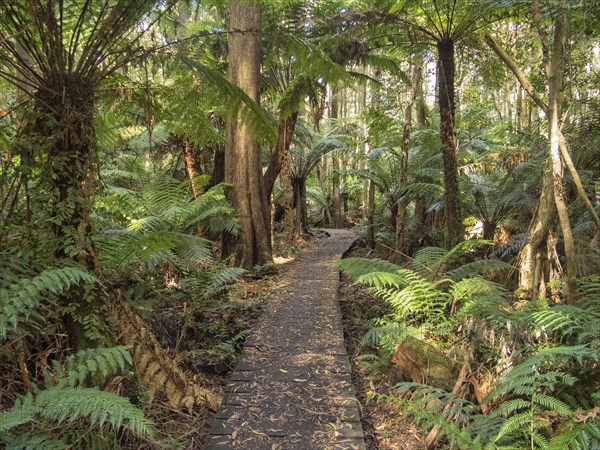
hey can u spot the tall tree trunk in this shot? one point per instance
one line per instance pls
(300, 200)
(408, 112)
(218, 172)
(554, 71)
(336, 192)
(243, 171)
(447, 107)
(321, 170)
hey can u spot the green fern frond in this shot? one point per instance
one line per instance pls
(122, 248)
(88, 362)
(432, 262)
(428, 261)
(514, 424)
(67, 403)
(382, 281)
(388, 336)
(148, 223)
(19, 301)
(561, 318)
(479, 267)
(210, 283)
(355, 267)
(22, 412)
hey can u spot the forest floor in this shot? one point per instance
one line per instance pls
(384, 428)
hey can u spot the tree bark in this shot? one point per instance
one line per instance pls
(408, 113)
(555, 71)
(285, 134)
(335, 163)
(193, 165)
(446, 104)
(65, 123)
(252, 245)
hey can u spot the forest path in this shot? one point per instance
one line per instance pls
(292, 387)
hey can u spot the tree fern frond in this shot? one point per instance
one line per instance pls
(479, 267)
(148, 223)
(65, 403)
(382, 281)
(562, 318)
(60, 403)
(19, 300)
(88, 362)
(118, 249)
(355, 267)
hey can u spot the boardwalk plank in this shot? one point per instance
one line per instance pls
(292, 387)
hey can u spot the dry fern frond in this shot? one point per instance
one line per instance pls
(158, 371)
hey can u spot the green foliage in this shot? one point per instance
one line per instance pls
(20, 301)
(66, 400)
(541, 401)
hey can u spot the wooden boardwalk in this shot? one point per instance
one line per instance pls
(292, 387)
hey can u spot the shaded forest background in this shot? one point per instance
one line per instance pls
(157, 155)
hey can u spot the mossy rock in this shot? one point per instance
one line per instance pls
(420, 362)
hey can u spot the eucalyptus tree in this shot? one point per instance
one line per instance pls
(243, 170)
(59, 53)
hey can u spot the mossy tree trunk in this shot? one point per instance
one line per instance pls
(446, 102)
(64, 121)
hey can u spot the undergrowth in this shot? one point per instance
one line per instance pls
(530, 372)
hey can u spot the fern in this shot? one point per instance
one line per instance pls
(86, 363)
(66, 400)
(66, 403)
(432, 262)
(19, 302)
(35, 442)
(355, 267)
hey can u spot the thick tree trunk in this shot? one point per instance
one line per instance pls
(447, 106)
(65, 122)
(408, 113)
(285, 135)
(242, 152)
(534, 267)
